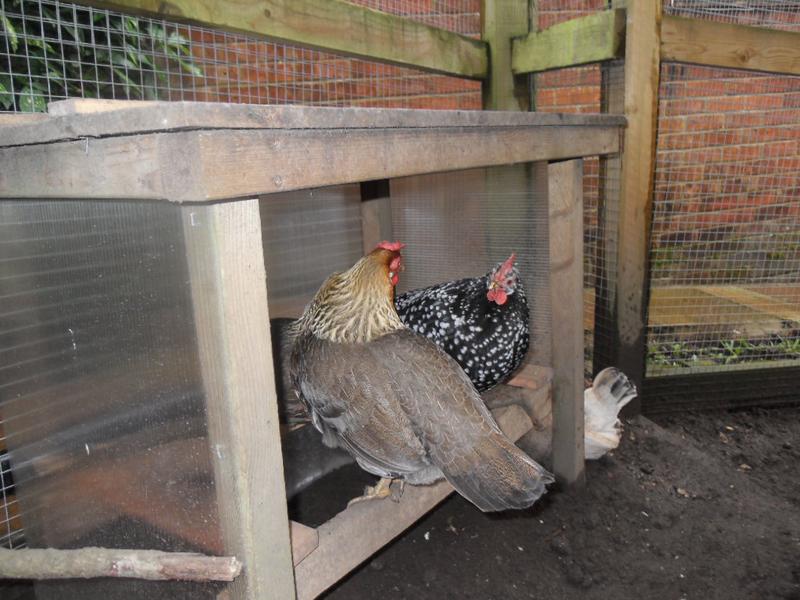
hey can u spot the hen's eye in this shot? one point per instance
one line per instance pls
(509, 281)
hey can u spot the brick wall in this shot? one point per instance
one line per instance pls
(264, 72)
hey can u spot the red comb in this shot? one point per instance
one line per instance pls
(393, 246)
(506, 266)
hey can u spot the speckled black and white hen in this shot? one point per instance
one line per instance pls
(482, 322)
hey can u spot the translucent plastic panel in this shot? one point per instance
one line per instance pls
(101, 397)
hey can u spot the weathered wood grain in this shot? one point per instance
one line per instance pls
(229, 297)
(642, 71)
(85, 563)
(202, 166)
(594, 38)
(304, 540)
(81, 119)
(566, 289)
(331, 25)
(501, 21)
(728, 45)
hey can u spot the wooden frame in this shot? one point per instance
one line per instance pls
(730, 46)
(566, 289)
(594, 38)
(331, 25)
(90, 144)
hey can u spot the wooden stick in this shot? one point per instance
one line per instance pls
(84, 563)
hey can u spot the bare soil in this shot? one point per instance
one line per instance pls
(698, 506)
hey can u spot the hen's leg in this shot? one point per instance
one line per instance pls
(382, 489)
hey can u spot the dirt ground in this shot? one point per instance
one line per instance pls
(697, 506)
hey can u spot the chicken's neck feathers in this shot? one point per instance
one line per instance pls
(356, 306)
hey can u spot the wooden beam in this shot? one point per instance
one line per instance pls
(642, 71)
(502, 20)
(730, 46)
(229, 297)
(304, 541)
(566, 290)
(721, 389)
(594, 38)
(74, 120)
(362, 529)
(205, 166)
(755, 301)
(330, 25)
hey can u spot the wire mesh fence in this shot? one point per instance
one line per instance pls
(725, 249)
(52, 50)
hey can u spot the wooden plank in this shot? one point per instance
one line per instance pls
(362, 529)
(604, 348)
(376, 214)
(200, 166)
(226, 269)
(755, 301)
(80, 119)
(726, 45)
(330, 25)
(594, 38)
(566, 289)
(304, 540)
(642, 71)
(532, 377)
(502, 20)
(721, 389)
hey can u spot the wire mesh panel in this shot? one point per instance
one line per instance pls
(101, 396)
(53, 50)
(725, 258)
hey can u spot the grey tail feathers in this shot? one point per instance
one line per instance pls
(503, 477)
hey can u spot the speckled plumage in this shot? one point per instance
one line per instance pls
(488, 340)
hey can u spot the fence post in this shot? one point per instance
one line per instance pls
(642, 71)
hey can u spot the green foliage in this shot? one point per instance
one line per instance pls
(59, 52)
(688, 354)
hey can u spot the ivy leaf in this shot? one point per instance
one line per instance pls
(192, 68)
(11, 33)
(6, 96)
(31, 102)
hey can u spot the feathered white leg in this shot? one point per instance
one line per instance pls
(610, 391)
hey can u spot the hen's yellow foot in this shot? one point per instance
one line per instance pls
(382, 489)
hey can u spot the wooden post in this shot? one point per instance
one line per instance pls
(502, 20)
(566, 289)
(376, 213)
(229, 295)
(642, 71)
